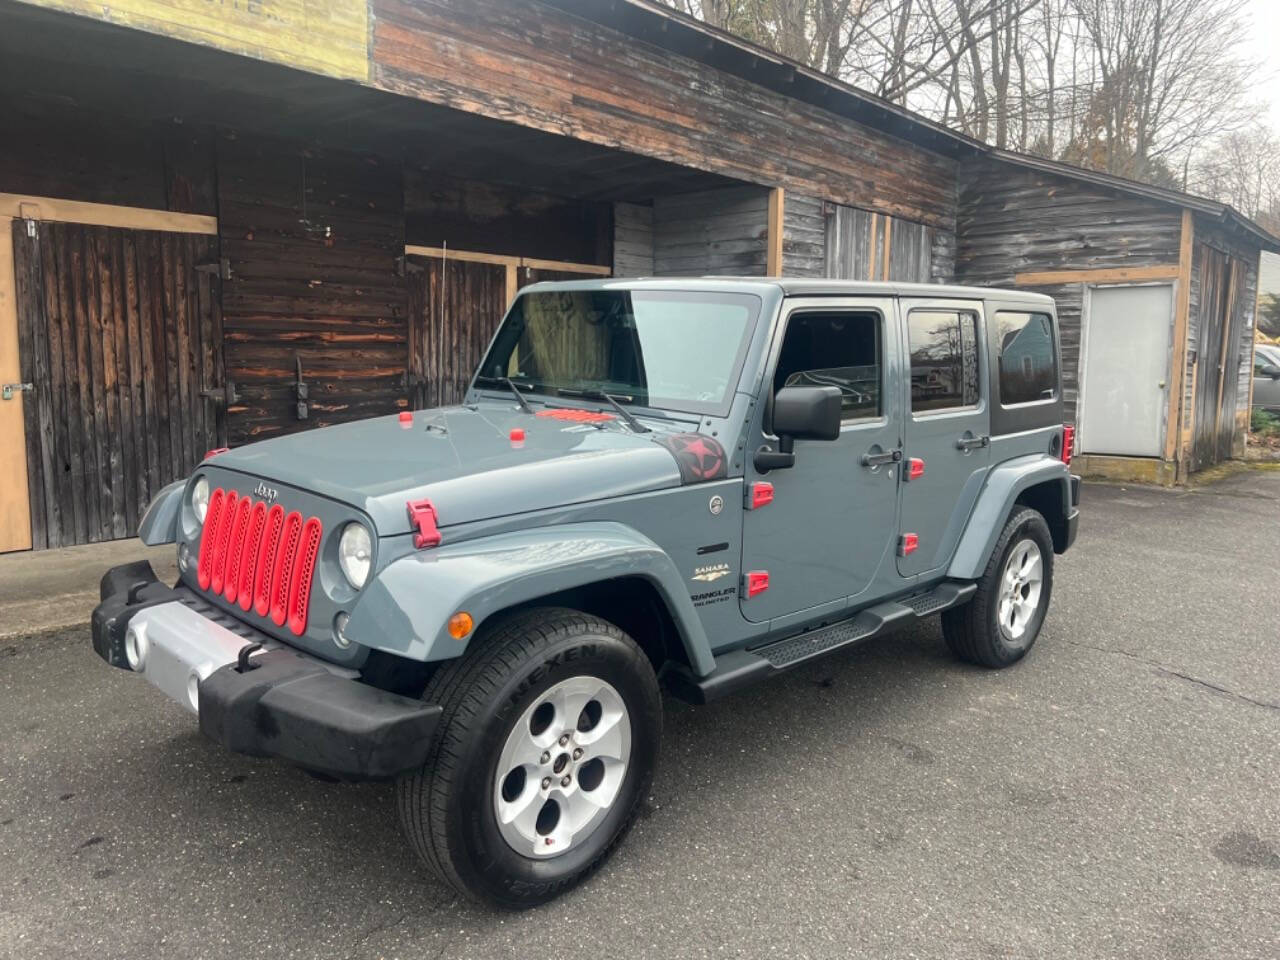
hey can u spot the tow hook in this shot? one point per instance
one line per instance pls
(243, 665)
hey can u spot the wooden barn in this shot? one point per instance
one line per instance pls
(219, 226)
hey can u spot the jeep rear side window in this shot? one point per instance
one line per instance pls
(834, 349)
(1028, 367)
(944, 359)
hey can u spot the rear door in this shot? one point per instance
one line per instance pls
(947, 429)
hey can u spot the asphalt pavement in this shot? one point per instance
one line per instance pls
(1117, 794)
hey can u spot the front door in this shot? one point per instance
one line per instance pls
(827, 535)
(1125, 371)
(947, 430)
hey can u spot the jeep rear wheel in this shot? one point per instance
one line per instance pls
(546, 747)
(1002, 621)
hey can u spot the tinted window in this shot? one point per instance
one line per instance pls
(944, 359)
(834, 349)
(1028, 370)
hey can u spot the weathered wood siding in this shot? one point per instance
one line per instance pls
(723, 232)
(119, 333)
(53, 151)
(633, 240)
(327, 291)
(526, 63)
(804, 236)
(861, 245)
(1013, 221)
(502, 219)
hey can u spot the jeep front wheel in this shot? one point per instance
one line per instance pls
(547, 745)
(1002, 621)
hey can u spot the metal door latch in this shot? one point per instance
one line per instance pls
(10, 389)
(301, 393)
(972, 443)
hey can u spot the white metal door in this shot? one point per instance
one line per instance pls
(1124, 372)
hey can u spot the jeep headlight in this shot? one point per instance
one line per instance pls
(355, 554)
(200, 498)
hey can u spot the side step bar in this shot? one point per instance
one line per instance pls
(739, 668)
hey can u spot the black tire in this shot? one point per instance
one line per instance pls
(973, 631)
(447, 807)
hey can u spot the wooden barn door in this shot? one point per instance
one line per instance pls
(454, 308)
(1220, 328)
(120, 336)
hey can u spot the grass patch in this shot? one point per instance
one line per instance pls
(1263, 423)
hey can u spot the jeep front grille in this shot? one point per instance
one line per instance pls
(259, 557)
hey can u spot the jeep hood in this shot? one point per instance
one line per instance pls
(465, 461)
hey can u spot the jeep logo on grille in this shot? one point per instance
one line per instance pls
(268, 494)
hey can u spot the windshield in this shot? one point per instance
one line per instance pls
(671, 349)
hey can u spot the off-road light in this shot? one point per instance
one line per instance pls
(184, 557)
(355, 554)
(340, 630)
(200, 498)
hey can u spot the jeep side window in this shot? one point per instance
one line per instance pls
(944, 359)
(1028, 367)
(834, 349)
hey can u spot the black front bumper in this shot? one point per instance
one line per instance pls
(283, 704)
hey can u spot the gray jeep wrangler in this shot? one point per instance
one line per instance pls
(699, 483)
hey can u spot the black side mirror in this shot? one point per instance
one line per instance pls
(800, 413)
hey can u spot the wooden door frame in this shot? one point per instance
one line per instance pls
(511, 263)
(15, 520)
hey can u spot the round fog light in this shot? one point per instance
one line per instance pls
(135, 647)
(184, 557)
(339, 631)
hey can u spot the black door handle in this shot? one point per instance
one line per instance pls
(972, 443)
(879, 459)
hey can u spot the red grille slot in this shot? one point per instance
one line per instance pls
(259, 557)
(204, 566)
(249, 555)
(221, 537)
(267, 561)
(303, 568)
(235, 548)
(286, 556)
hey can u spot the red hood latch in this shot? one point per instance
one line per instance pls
(423, 516)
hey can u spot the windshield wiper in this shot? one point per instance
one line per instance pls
(510, 385)
(626, 414)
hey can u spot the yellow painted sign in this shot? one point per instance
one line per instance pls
(322, 36)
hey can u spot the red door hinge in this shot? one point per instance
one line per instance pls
(759, 494)
(423, 516)
(915, 469)
(757, 581)
(908, 544)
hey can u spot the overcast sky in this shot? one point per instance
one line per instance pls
(1265, 39)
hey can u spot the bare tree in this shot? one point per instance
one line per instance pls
(1170, 75)
(1243, 169)
(1133, 87)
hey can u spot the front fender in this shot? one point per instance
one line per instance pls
(406, 608)
(159, 523)
(1004, 484)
